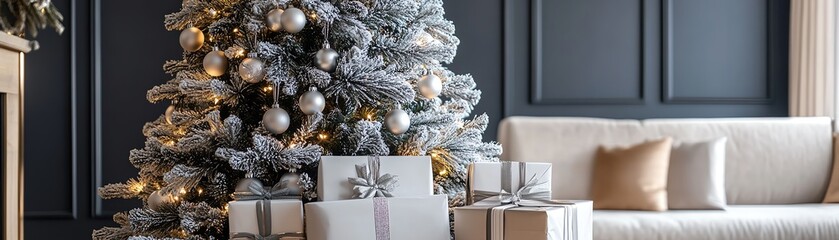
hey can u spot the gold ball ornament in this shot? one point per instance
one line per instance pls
(293, 20)
(430, 86)
(191, 39)
(252, 69)
(274, 20)
(215, 63)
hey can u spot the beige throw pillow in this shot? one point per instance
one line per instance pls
(632, 178)
(697, 175)
(832, 195)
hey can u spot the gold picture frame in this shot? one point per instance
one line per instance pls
(12, 50)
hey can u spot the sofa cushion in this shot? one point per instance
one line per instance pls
(633, 177)
(696, 179)
(743, 222)
(832, 195)
(767, 161)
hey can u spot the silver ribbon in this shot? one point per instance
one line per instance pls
(263, 210)
(508, 195)
(381, 216)
(370, 183)
(495, 217)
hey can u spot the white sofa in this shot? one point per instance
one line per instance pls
(777, 173)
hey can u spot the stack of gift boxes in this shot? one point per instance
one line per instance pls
(512, 201)
(391, 197)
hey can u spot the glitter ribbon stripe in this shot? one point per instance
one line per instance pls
(381, 215)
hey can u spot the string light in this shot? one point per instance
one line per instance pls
(213, 12)
(441, 162)
(137, 187)
(323, 136)
(267, 89)
(424, 39)
(240, 53)
(236, 30)
(180, 132)
(182, 191)
(200, 191)
(170, 143)
(368, 113)
(216, 100)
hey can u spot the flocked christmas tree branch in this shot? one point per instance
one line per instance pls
(17, 17)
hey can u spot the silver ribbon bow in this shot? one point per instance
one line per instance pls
(263, 210)
(495, 217)
(526, 191)
(258, 192)
(370, 183)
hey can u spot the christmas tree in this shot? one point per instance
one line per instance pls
(17, 17)
(246, 103)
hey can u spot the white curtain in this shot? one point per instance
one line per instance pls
(812, 72)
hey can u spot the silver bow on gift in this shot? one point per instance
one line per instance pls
(527, 191)
(263, 210)
(370, 183)
(258, 192)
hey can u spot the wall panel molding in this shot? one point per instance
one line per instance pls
(669, 82)
(537, 96)
(72, 212)
(96, 111)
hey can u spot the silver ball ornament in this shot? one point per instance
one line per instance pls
(291, 181)
(430, 86)
(276, 120)
(157, 200)
(168, 115)
(244, 184)
(293, 20)
(191, 39)
(397, 121)
(312, 102)
(274, 20)
(252, 70)
(215, 63)
(327, 59)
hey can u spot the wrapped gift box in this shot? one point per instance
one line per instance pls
(413, 173)
(564, 220)
(488, 179)
(286, 217)
(403, 218)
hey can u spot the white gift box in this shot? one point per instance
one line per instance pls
(286, 216)
(403, 218)
(413, 172)
(569, 220)
(488, 178)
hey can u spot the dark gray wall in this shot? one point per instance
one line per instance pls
(85, 90)
(646, 58)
